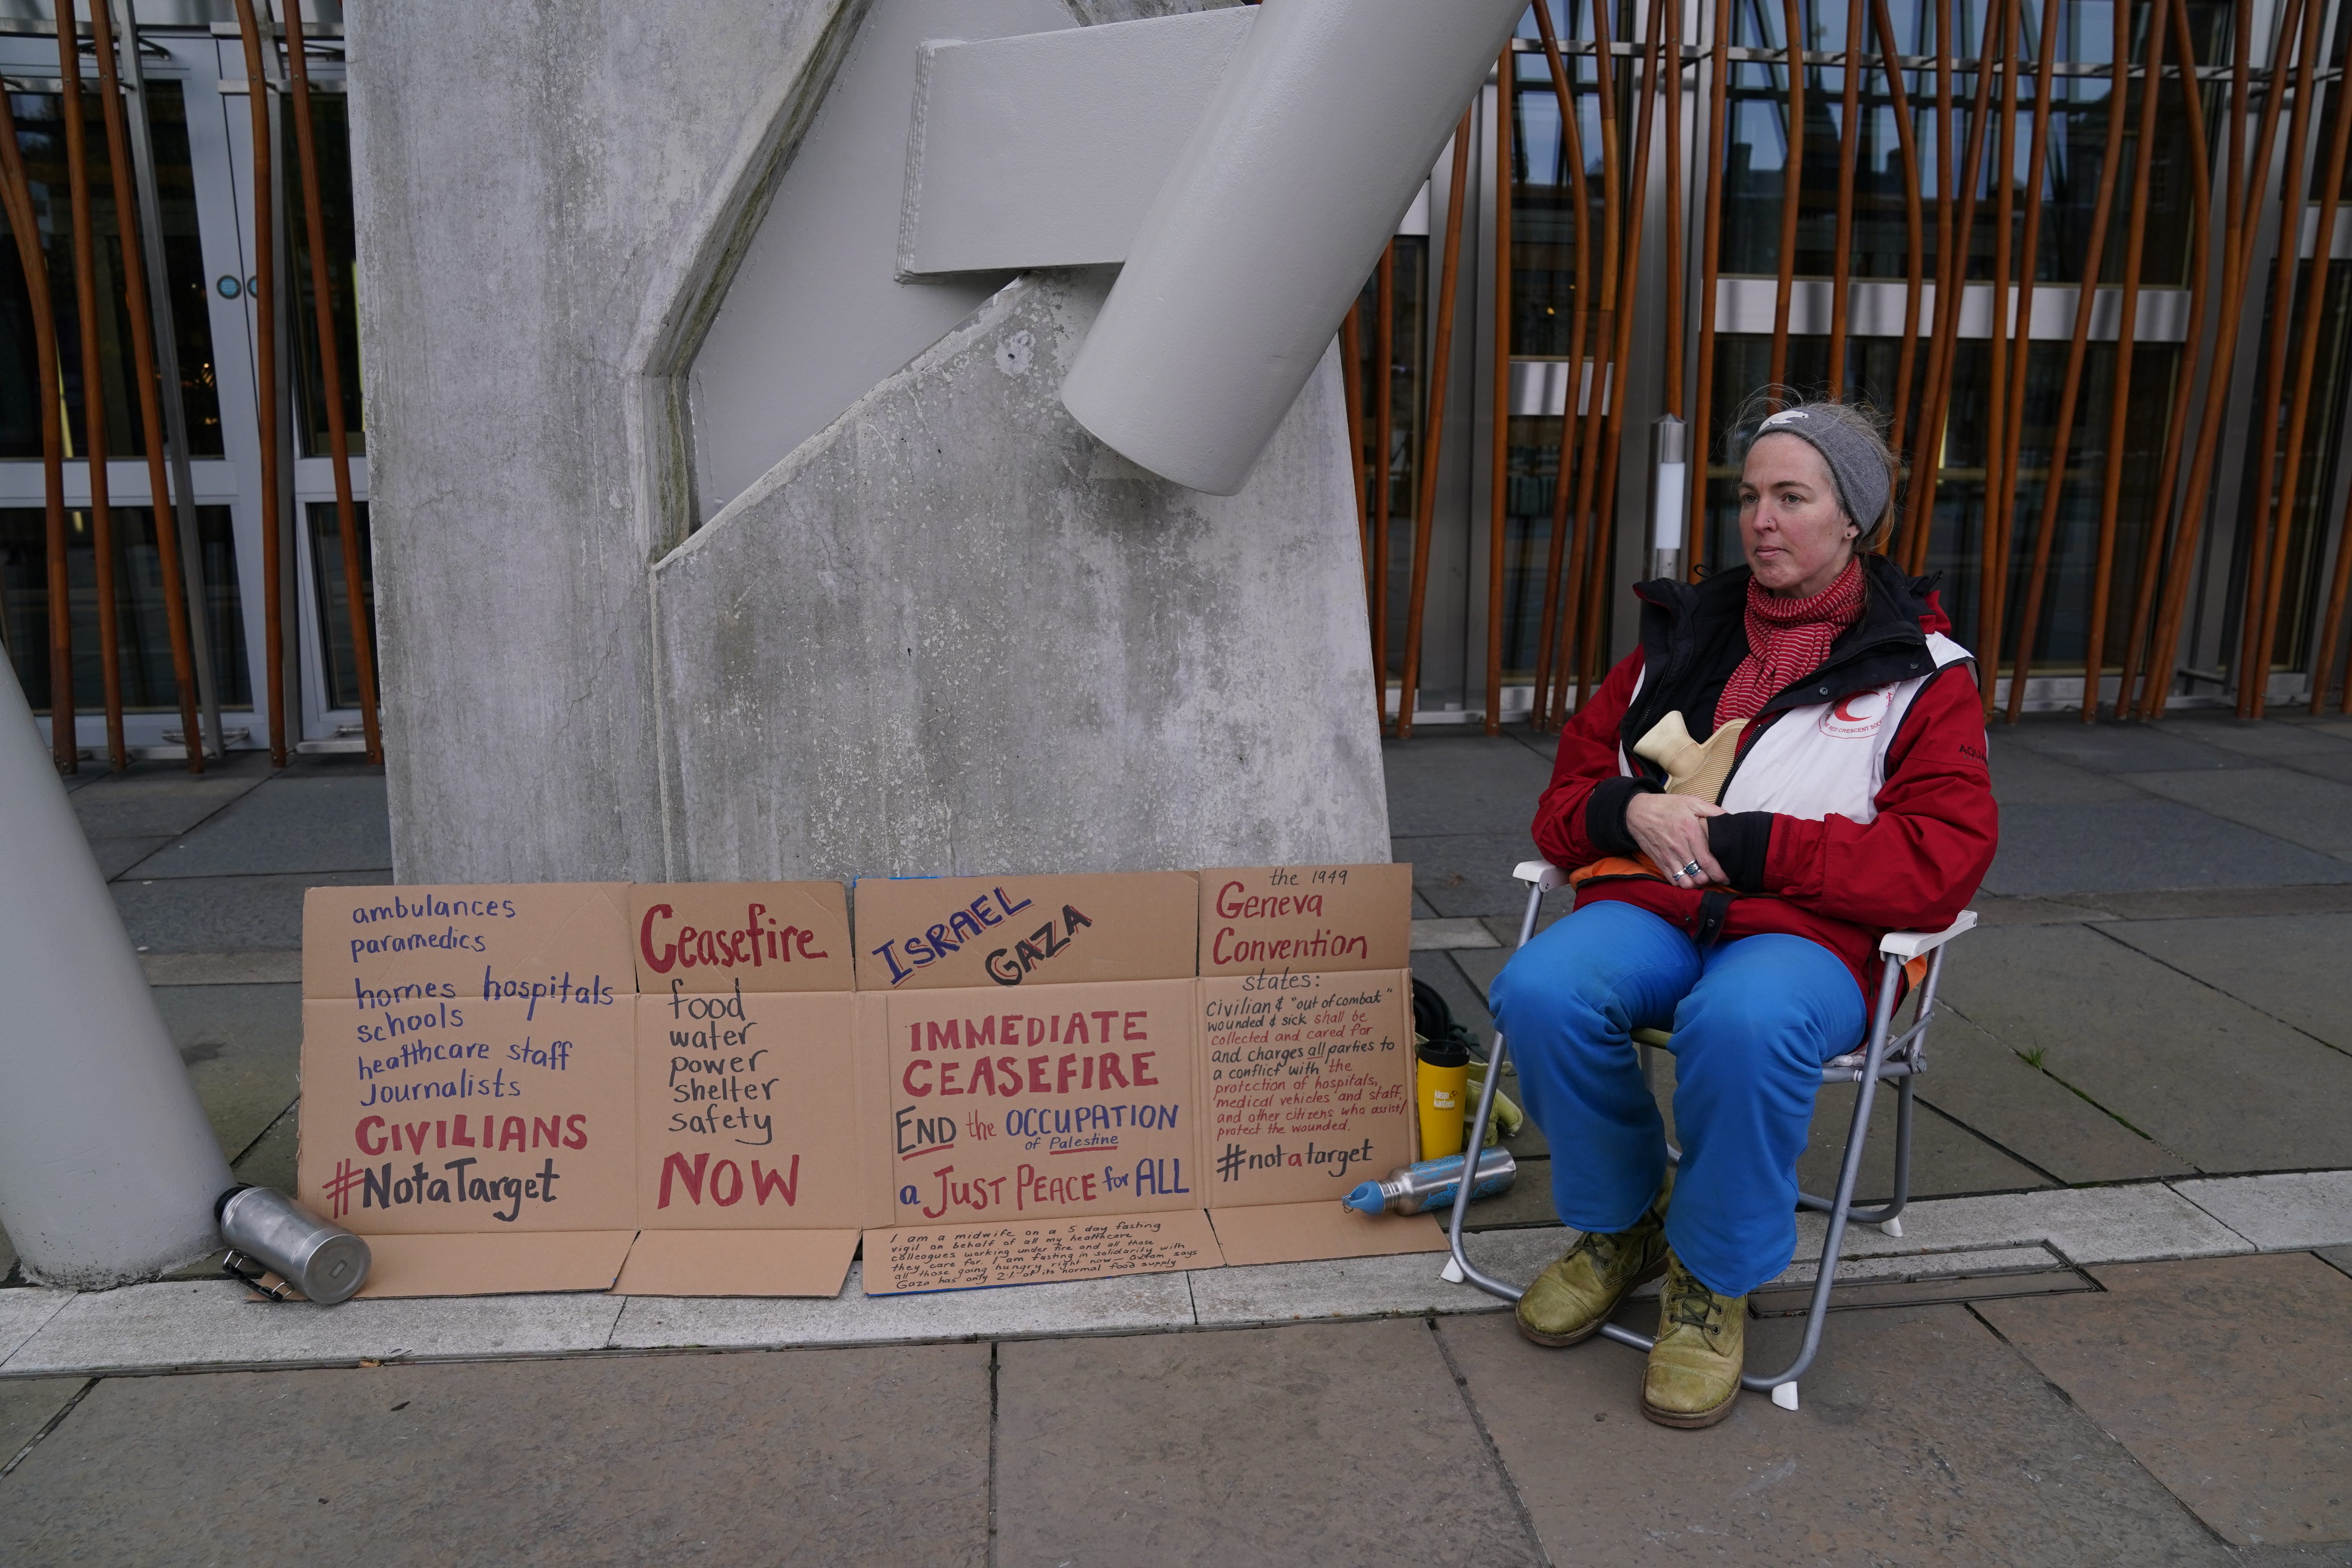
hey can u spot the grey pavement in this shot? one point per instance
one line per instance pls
(2117, 1327)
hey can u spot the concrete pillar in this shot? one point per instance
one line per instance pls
(107, 1167)
(557, 213)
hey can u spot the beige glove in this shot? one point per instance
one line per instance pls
(1692, 767)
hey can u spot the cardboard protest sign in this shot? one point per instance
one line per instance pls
(1277, 920)
(738, 1263)
(1031, 1251)
(917, 934)
(1295, 1233)
(560, 944)
(746, 936)
(507, 1264)
(747, 1115)
(469, 1116)
(1069, 1100)
(1307, 1080)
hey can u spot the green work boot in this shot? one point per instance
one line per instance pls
(1569, 1300)
(1693, 1372)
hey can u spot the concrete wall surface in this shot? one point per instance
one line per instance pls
(956, 634)
(1093, 669)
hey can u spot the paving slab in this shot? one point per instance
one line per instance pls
(164, 800)
(2216, 1082)
(2119, 748)
(1968, 1263)
(2315, 813)
(2337, 765)
(870, 1457)
(268, 1161)
(2143, 844)
(1370, 1287)
(1137, 1304)
(215, 914)
(2023, 778)
(262, 968)
(24, 1309)
(2084, 1225)
(1318, 1444)
(2198, 903)
(2339, 1257)
(1441, 935)
(27, 1406)
(1920, 1439)
(1466, 1002)
(2287, 1213)
(1981, 1083)
(1946, 1156)
(243, 1047)
(1529, 1203)
(2230, 1380)
(208, 1324)
(2266, 738)
(1457, 783)
(116, 856)
(1470, 873)
(2290, 966)
(319, 823)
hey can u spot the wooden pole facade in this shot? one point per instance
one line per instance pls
(1539, 714)
(93, 390)
(2077, 351)
(1434, 436)
(176, 607)
(331, 379)
(17, 192)
(1498, 492)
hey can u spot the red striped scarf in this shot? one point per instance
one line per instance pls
(1788, 639)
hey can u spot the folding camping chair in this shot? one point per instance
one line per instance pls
(1878, 1061)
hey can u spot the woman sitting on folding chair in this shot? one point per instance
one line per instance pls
(1789, 765)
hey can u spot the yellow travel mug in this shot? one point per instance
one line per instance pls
(1442, 1083)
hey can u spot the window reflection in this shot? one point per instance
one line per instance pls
(41, 132)
(142, 633)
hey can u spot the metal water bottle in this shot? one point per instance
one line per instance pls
(327, 1263)
(1430, 1185)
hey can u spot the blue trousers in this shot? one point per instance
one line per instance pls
(1752, 1019)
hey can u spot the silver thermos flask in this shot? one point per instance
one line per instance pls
(325, 1262)
(1432, 1183)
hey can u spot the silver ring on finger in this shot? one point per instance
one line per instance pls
(1690, 870)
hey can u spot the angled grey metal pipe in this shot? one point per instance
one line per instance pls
(1324, 126)
(108, 1167)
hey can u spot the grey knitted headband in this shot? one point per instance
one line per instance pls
(1855, 465)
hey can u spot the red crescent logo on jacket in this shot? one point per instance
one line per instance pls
(1858, 716)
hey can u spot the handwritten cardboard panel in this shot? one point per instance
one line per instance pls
(1065, 1099)
(473, 1117)
(1278, 919)
(563, 944)
(503, 1265)
(937, 933)
(1308, 1080)
(747, 1115)
(1033, 1251)
(738, 1263)
(756, 936)
(1298, 1232)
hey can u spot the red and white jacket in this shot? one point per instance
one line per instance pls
(1860, 802)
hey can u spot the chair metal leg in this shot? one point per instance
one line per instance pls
(1458, 1268)
(1849, 1173)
